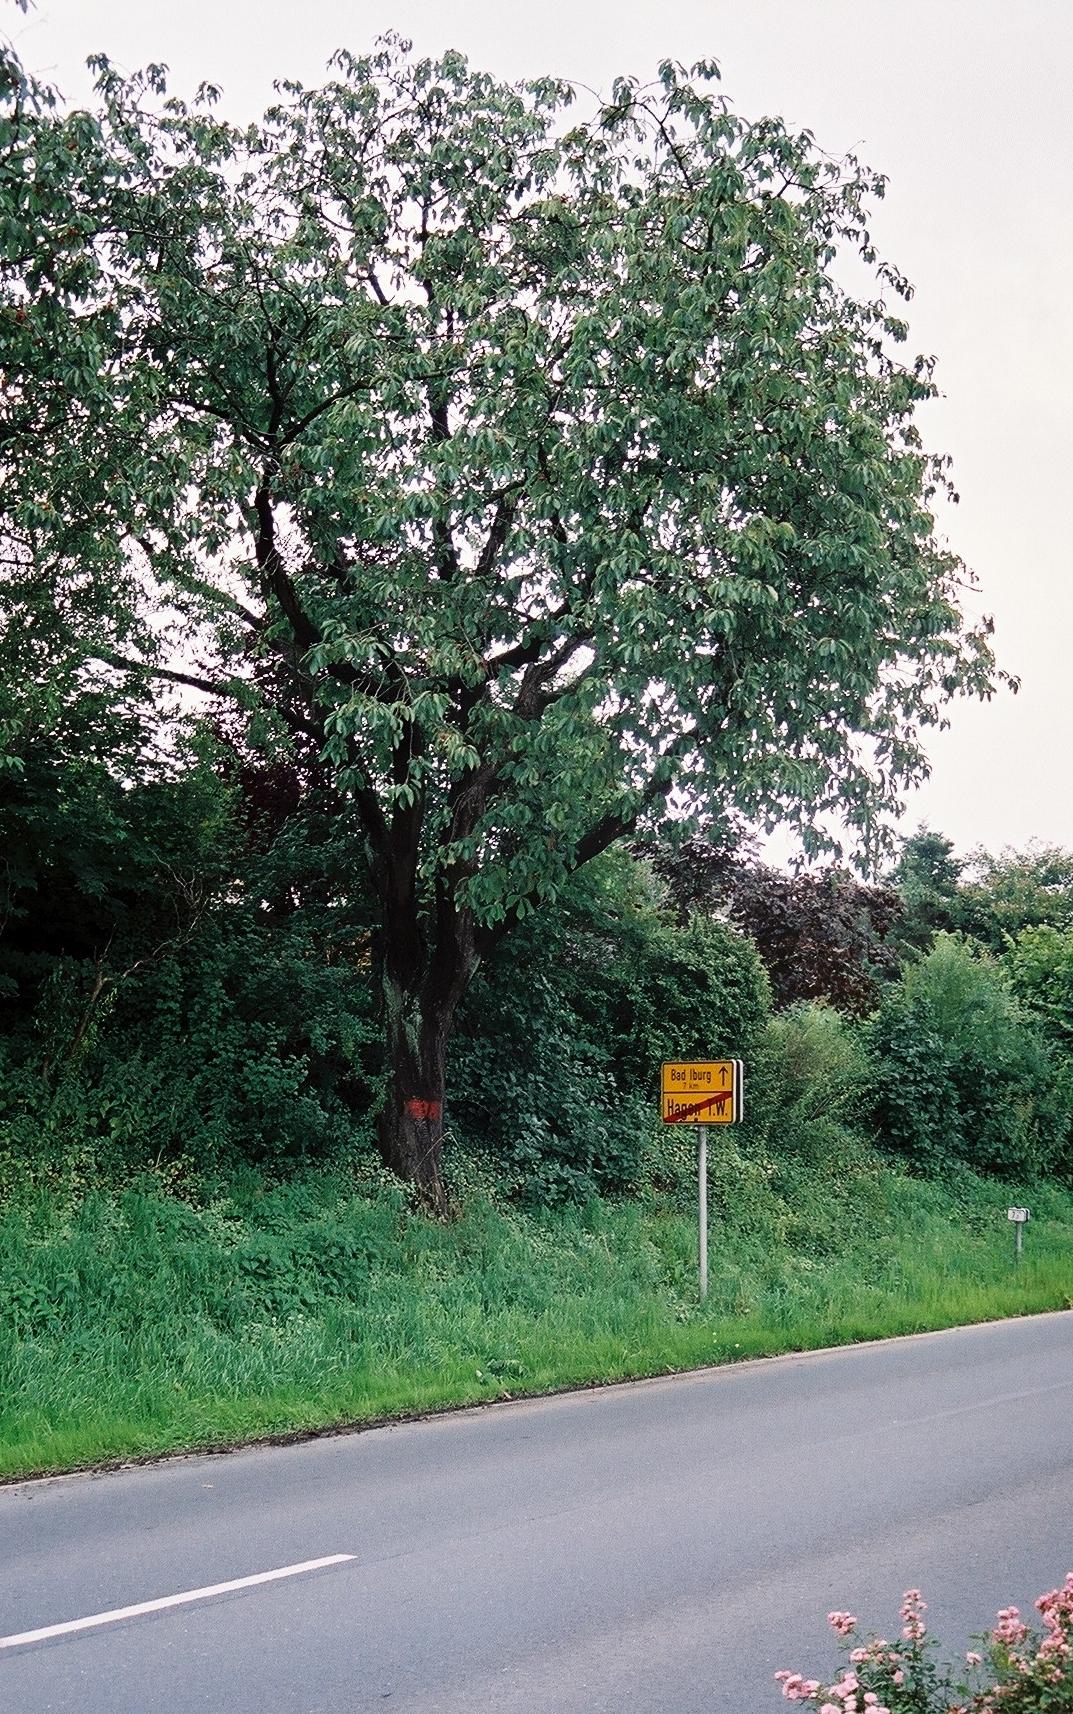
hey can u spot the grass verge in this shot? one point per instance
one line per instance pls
(139, 1322)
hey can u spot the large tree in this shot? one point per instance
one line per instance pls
(541, 472)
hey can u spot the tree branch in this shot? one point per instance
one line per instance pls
(500, 529)
(533, 693)
(211, 687)
(274, 572)
(616, 824)
(316, 411)
(198, 586)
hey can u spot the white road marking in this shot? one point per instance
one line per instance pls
(165, 1601)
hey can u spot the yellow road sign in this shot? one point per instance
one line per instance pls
(702, 1092)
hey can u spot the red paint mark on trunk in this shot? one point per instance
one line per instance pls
(423, 1109)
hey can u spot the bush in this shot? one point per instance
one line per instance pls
(1040, 966)
(1015, 1668)
(806, 1101)
(809, 1085)
(555, 1068)
(224, 1013)
(963, 1072)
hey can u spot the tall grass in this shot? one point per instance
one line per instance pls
(135, 1321)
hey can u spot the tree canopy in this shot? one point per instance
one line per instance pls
(536, 471)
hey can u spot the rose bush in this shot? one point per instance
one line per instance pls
(1016, 1670)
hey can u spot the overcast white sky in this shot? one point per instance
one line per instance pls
(964, 104)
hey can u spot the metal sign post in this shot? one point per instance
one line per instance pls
(702, 1093)
(1018, 1216)
(702, 1208)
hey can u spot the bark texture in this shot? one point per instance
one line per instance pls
(411, 1123)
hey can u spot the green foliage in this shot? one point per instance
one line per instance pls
(806, 1120)
(992, 898)
(536, 1095)
(556, 1061)
(187, 967)
(136, 1320)
(228, 1010)
(509, 482)
(963, 1072)
(244, 1048)
(1040, 966)
(927, 877)
(534, 476)
(525, 361)
(1018, 890)
(810, 1084)
(109, 858)
(652, 988)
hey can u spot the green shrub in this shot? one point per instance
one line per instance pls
(554, 1073)
(963, 1072)
(242, 1045)
(809, 1085)
(1040, 966)
(197, 985)
(806, 1116)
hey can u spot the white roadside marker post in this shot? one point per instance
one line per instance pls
(1018, 1216)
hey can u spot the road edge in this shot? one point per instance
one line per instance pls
(502, 1401)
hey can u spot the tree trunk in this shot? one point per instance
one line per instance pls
(427, 962)
(411, 1123)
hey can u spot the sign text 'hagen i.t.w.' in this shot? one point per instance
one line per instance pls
(701, 1092)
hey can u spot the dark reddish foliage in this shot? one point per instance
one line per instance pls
(821, 935)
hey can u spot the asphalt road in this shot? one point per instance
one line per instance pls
(652, 1549)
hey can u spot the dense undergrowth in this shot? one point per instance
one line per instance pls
(180, 1313)
(198, 1246)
